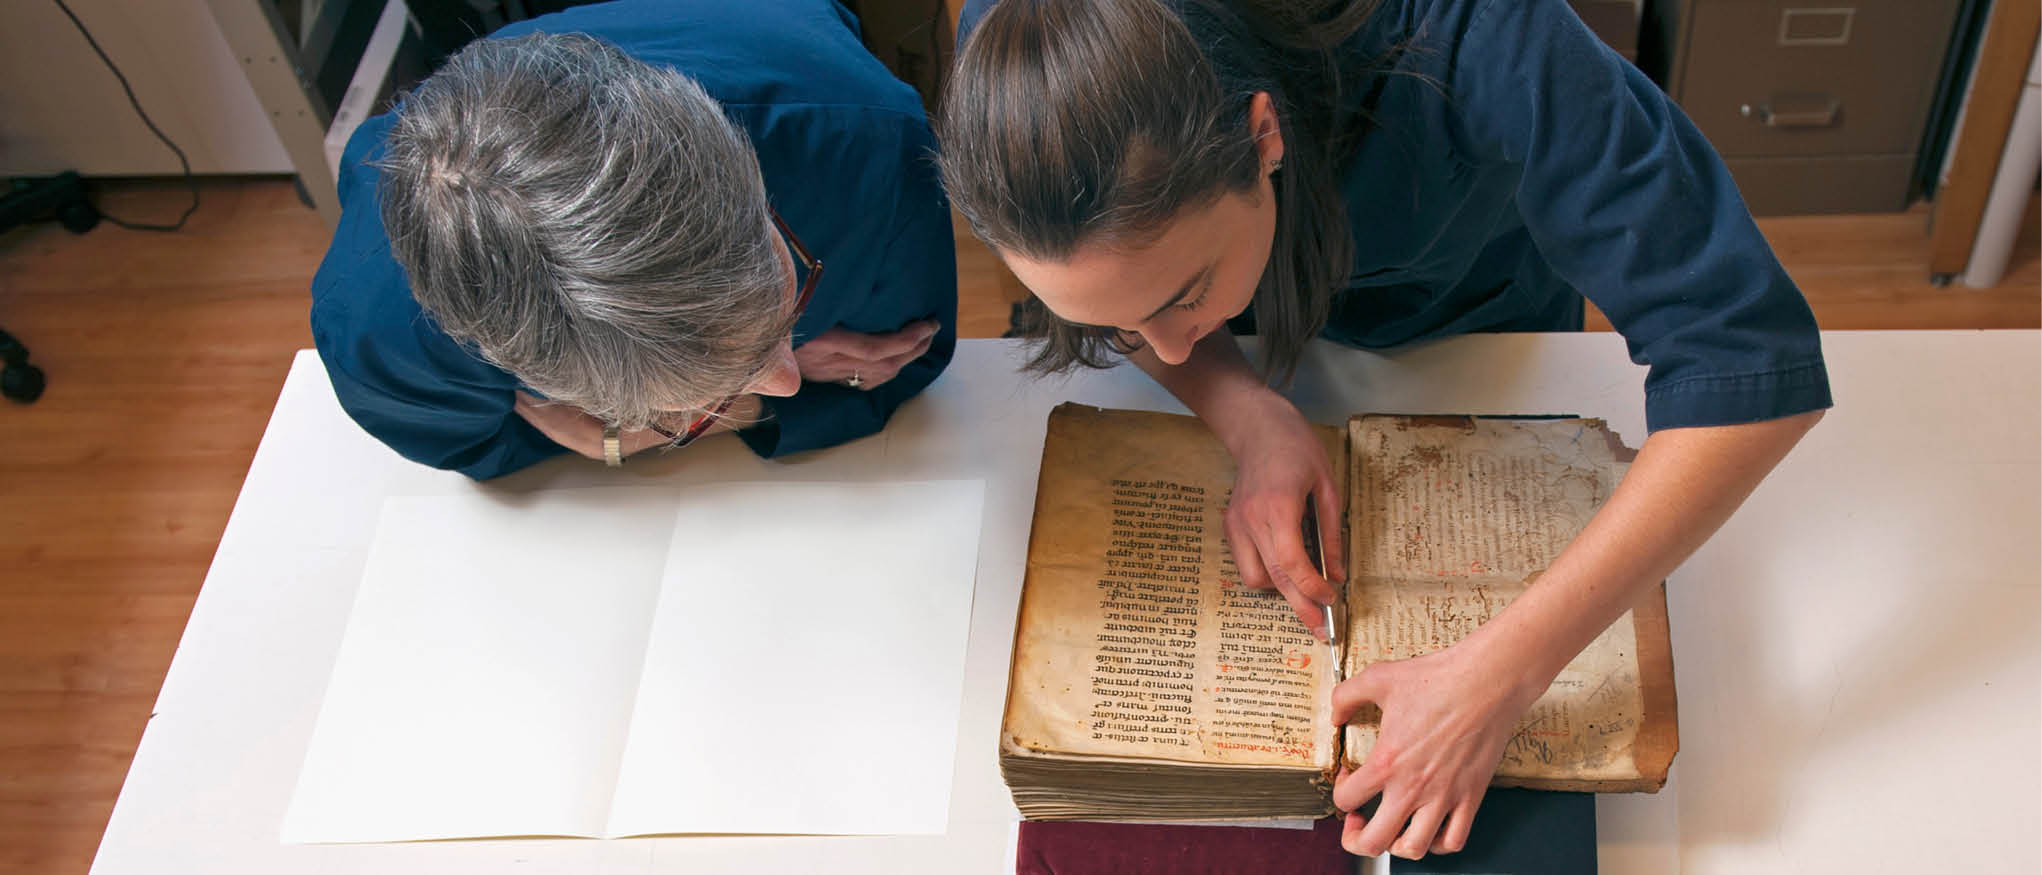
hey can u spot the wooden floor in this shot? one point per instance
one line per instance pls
(165, 353)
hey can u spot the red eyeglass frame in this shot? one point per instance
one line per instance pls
(809, 262)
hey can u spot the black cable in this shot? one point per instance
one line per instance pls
(188, 178)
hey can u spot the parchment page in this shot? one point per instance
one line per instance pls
(1452, 519)
(1135, 638)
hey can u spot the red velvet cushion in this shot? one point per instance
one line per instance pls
(1081, 848)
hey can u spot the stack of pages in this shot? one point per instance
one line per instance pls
(1148, 684)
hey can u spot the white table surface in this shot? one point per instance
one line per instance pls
(1856, 652)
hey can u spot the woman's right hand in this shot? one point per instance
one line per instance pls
(1280, 464)
(839, 354)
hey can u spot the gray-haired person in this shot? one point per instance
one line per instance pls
(626, 225)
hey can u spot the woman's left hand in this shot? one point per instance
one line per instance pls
(1445, 719)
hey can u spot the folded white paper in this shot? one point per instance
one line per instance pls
(742, 658)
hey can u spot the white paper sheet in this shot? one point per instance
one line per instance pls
(833, 653)
(485, 681)
(770, 657)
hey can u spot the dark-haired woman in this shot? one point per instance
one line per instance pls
(1379, 173)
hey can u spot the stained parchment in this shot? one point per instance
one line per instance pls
(1453, 518)
(1135, 638)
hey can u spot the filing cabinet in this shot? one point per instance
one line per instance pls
(1817, 106)
(1615, 21)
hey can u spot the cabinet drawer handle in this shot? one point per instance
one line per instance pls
(1796, 111)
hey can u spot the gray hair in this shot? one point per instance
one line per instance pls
(589, 222)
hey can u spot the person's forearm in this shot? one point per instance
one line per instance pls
(1682, 487)
(1217, 383)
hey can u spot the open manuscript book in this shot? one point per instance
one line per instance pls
(1148, 684)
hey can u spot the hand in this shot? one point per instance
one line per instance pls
(1445, 719)
(1281, 464)
(569, 427)
(838, 354)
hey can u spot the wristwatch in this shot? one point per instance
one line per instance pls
(613, 447)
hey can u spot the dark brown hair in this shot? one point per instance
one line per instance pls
(1073, 123)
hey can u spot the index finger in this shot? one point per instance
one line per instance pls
(910, 336)
(853, 348)
(1283, 551)
(875, 347)
(1331, 538)
(1308, 613)
(920, 349)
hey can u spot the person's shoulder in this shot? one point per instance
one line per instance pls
(790, 53)
(1473, 28)
(373, 336)
(358, 266)
(1420, 27)
(366, 323)
(1426, 51)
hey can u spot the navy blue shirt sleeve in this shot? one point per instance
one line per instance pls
(1627, 202)
(467, 428)
(916, 279)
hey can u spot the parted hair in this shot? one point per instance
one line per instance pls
(591, 223)
(1071, 123)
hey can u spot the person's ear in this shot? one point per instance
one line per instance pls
(1268, 132)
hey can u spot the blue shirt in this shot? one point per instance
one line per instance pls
(846, 154)
(1516, 159)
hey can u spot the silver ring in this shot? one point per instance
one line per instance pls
(855, 381)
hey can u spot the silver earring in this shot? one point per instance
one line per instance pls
(1276, 165)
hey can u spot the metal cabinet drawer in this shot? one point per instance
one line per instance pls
(1814, 77)
(1796, 185)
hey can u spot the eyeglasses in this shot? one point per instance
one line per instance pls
(813, 267)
